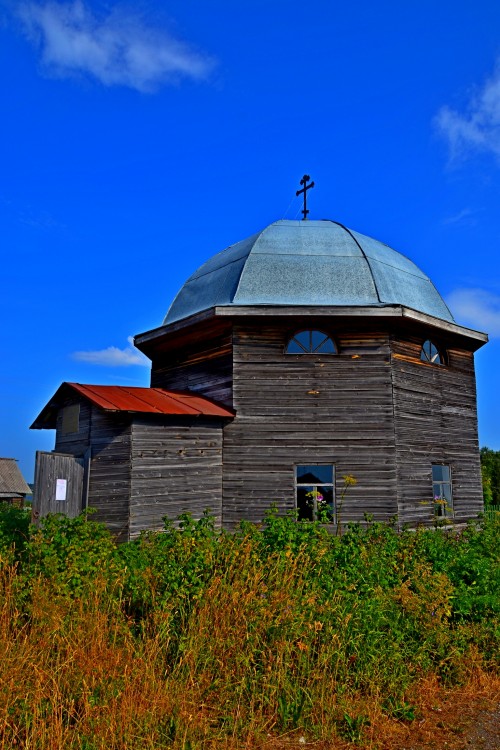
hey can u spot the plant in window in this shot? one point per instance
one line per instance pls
(314, 493)
(440, 505)
(442, 491)
(321, 510)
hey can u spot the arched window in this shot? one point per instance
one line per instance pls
(311, 342)
(430, 353)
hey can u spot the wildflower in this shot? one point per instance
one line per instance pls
(349, 480)
(315, 494)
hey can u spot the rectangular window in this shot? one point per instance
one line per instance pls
(441, 489)
(70, 419)
(315, 492)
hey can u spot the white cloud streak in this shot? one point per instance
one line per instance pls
(478, 308)
(465, 216)
(117, 50)
(478, 127)
(114, 357)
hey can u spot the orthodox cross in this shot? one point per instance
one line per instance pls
(304, 190)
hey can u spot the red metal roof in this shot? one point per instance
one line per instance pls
(149, 400)
(131, 399)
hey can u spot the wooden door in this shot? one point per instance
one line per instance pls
(59, 485)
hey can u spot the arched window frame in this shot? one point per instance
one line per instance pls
(311, 347)
(431, 354)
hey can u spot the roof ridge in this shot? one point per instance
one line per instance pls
(81, 387)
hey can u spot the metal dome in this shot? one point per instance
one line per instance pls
(308, 263)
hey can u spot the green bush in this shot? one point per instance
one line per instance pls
(14, 531)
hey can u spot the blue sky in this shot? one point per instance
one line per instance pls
(138, 139)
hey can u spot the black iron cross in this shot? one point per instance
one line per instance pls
(304, 190)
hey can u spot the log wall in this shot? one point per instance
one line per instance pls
(435, 422)
(205, 367)
(301, 409)
(75, 443)
(176, 468)
(374, 411)
(109, 482)
(105, 438)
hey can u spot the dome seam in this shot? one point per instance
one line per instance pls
(363, 254)
(248, 255)
(423, 277)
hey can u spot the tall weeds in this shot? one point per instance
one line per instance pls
(193, 638)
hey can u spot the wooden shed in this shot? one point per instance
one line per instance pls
(135, 455)
(328, 354)
(13, 488)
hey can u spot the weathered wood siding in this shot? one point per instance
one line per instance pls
(145, 467)
(177, 468)
(435, 422)
(374, 410)
(75, 443)
(49, 468)
(294, 409)
(206, 368)
(103, 445)
(109, 482)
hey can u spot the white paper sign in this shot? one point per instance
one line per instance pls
(61, 486)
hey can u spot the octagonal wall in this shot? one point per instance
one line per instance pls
(374, 411)
(309, 409)
(435, 418)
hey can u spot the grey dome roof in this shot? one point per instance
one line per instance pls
(308, 263)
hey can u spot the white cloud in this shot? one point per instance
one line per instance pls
(117, 50)
(114, 357)
(478, 308)
(465, 216)
(478, 127)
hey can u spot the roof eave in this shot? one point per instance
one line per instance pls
(477, 339)
(141, 340)
(378, 311)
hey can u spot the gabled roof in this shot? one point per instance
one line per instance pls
(118, 398)
(11, 479)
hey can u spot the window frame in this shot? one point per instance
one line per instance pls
(444, 507)
(315, 488)
(311, 351)
(70, 418)
(438, 353)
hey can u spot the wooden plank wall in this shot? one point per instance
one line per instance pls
(206, 368)
(75, 443)
(49, 468)
(177, 468)
(435, 421)
(294, 409)
(108, 436)
(109, 482)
